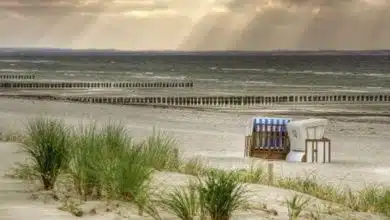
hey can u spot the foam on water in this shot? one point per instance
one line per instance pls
(241, 73)
(350, 90)
(25, 61)
(382, 171)
(379, 75)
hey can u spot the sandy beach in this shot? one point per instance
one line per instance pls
(361, 151)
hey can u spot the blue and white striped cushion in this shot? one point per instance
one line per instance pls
(258, 123)
(269, 121)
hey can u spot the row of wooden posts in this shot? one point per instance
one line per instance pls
(86, 85)
(17, 76)
(233, 100)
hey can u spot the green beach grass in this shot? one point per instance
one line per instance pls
(106, 163)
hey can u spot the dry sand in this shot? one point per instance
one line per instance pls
(361, 151)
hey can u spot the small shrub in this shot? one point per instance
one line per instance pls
(47, 146)
(220, 194)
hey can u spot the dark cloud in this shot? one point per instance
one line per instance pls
(313, 24)
(245, 24)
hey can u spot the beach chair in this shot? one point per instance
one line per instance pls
(308, 143)
(267, 138)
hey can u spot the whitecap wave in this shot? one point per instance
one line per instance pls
(379, 75)
(350, 90)
(333, 73)
(25, 61)
(284, 71)
(18, 70)
(152, 76)
(244, 69)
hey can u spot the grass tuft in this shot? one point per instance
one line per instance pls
(255, 174)
(159, 152)
(220, 194)
(296, 205)
(47, 147)
(182, 202)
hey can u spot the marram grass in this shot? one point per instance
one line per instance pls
(47, 145)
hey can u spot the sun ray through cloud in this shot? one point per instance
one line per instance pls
(196, 25)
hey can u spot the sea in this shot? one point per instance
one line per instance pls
(238, 71)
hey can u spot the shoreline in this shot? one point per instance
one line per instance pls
(313, 110)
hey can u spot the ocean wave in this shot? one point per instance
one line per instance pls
(210, 80)
(69, 74)
(258, 82)
(324, 73)
(379, 75)
(25, 61)
(333, 73)
(350, 90)
(11, 71)
(83, 71)
(244, 69)
(284, 71)
(152, 76)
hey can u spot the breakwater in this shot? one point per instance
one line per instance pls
(94, 84)
(234, 100)
(16, 76)
(219, 101)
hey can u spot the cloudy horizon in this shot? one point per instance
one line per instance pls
(196, 25)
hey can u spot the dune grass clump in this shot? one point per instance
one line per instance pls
(309, 185)
(87, 161)
(47, 147)
(296, 205)
(183, 202)
(159, 152)
(220, 194)
(104, 163)
(214, 196)
(369, 199)
(195, 166)
(255, 174)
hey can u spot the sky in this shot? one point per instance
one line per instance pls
(196, 24)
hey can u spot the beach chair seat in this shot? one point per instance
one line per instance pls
(267, 138)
